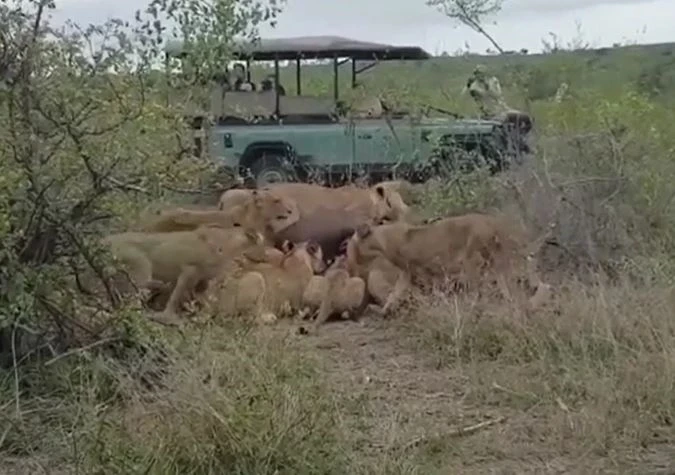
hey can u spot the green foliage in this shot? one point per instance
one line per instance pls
(86, 144)
(227, 402)
(207, 30)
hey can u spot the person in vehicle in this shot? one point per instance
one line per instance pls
(222, 78)
(267, 84)
(239, 79)
(487, 93)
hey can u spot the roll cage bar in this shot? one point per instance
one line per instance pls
(314, 47)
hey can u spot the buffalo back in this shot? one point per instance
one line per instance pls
(327, 226)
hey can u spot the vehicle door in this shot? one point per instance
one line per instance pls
(372, 142)
(382, 142)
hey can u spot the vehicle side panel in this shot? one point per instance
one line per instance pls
(313, 143)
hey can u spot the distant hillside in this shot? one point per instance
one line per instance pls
(650, 68)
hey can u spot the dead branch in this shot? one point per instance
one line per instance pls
(80, 350)
(458, 432)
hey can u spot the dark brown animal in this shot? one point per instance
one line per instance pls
(328, 227)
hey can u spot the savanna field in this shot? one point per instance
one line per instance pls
(453, 383)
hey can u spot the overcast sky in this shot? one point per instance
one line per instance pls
(521, 23)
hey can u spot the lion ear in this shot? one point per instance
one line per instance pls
(380, 191)
(287, 246)
(253, 235)
(313, 247)
(363, 230)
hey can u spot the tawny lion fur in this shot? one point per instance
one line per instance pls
(461, 248)
(330, 215)
(333, 293)
(261, 210)
(269, 290)
(181, 260)
(378, 202)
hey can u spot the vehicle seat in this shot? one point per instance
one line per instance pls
(244, 104)
(369, 107)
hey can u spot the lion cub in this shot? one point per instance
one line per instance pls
(270, 289)
(335, 292)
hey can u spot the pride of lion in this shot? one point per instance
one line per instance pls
(310, 251)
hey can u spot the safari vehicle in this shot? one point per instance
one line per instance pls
(267, 136)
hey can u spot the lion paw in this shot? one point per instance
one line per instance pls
(268, 318)
(377, 310)
(166, 318)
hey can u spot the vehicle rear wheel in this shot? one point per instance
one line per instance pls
(271, 169)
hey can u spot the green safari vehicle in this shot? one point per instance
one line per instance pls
(266, 136)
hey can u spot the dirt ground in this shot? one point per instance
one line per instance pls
(404, 410)
(411, 405)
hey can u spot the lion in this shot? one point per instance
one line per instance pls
(233, 197)
(448, 246)
(262, 210)
(385, 282)
(378, 203)
(182, 260)
(461, 248)
(329, 216)
(335, 292)
(269, 290)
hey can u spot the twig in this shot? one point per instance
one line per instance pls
(17, 397)
(126, 186)
(458, 432)
(501, 388)
(591, 179)
(80, 350)
(185, 191)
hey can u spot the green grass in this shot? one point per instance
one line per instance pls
(523, 77)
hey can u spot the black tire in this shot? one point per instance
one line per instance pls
(271, 169)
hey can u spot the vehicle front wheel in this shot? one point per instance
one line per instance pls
(271, 169)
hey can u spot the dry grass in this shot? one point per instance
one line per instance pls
(597, 366)
(584, 385)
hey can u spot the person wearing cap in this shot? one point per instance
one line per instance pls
(487, 92)
(267, 84)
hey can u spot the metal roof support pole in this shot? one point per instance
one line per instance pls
(276, 86)
(353, 73)
(298, 83)
(167, 76)
(248, 70)
(335, 77)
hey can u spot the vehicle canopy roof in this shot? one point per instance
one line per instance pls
(314, 47)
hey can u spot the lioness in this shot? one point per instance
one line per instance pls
(385, 282)
(378, 203)
(233, 197)
(270, 289)
(460, 247)
(329, 216)
(260, 210)
(183, 259)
